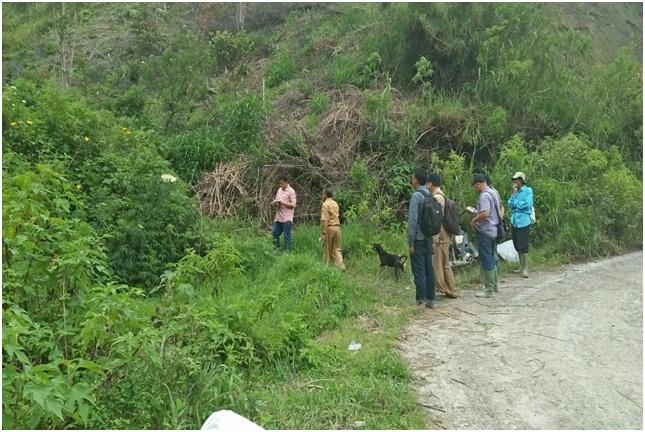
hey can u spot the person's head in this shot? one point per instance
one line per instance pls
(434, 180)
(519, 179)
(327, 193)
(420, 177)
(479, 182)
(284, 182)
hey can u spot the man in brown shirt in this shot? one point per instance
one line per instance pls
(441, 245)
(329, 218)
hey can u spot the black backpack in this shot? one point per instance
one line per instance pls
(431, 216)
(451, 216)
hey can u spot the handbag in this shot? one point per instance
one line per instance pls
(502, 228)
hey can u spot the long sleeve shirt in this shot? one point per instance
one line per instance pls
(414, 214)
(521, 203)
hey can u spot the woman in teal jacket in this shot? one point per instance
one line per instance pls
(521, 205)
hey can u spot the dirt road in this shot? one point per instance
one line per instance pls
(560, 350)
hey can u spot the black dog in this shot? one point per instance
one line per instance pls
(390, 260)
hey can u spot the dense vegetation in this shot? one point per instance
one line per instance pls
(125, 307)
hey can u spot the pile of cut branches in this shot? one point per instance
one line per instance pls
(222, 191)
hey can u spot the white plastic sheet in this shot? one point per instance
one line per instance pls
(507, 251)
(225, 420)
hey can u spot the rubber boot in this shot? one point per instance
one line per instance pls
(524, 258)
(489, 284)
(518, 270)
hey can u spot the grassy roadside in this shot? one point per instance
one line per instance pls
(373, 384)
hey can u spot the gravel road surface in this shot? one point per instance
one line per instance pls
(560, 350)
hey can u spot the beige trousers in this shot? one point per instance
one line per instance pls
(444, 278)
(331, 247)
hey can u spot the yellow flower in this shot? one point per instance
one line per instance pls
(78, 186)
(128, 132)
(86, 138)
(14, 124)
(29, 122)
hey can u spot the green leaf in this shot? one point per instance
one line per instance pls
(89, 365)
(44, 396)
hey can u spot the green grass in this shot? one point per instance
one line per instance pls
(370, 385)
(373, 384)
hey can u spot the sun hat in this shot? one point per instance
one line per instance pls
(519, 175)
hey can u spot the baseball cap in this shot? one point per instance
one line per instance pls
(519, 175)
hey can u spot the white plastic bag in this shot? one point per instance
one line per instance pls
(507, 251)
(225, 420)
(354, 346)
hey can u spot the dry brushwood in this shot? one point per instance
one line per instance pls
(313, 159)
(221, 191)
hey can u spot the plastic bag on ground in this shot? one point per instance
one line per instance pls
(225, 420)
(354, 346)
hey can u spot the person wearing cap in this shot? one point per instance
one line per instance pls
(521, 205)
(485, 223)
(489, 182)
(444, 278)
(330, 236)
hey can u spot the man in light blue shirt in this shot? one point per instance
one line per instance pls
(521, 205)
(419, 246)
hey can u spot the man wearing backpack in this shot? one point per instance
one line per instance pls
(485, 223)
(419, 243)
(444, 279)
(521, 205)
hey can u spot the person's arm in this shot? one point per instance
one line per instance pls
(522, 200)
(324, 218)
(483, 215)
(485, 201)
(292, 201)
(413, 219)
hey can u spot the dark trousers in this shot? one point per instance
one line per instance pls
(422, 271)
(277, 229)
(521, 239)
(486, 248)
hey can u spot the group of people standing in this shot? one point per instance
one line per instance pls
(429, 257)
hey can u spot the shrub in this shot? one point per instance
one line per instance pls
(241, 124)
(229, 48)
(343, 69)
(281, 70)
(51, 258)
(581, 210)
(148, 219)
(195, 151)
(319, 103)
